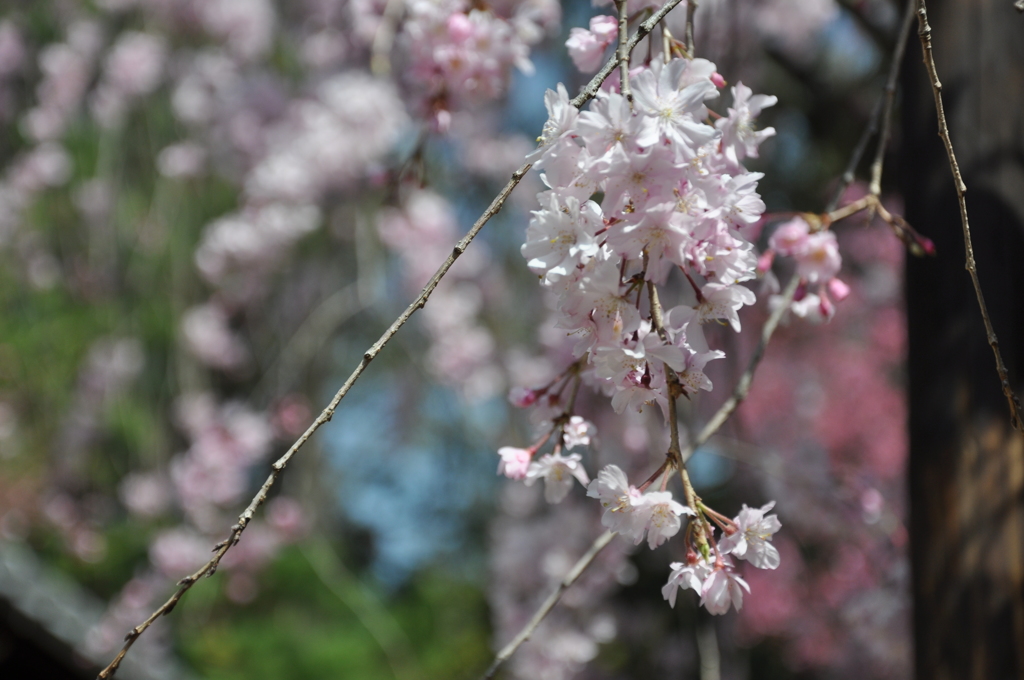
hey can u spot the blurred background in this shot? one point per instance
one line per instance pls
(210, 209)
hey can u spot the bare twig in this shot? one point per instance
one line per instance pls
(707, 650)
(924, 32)
(743, 385)
(549, 604)
(850, 173)
(623, 51)
(691, 9)
(883, 108)
(208, 569)
(889, 96)
(325, 416)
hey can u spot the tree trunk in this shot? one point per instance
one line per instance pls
(966, 473)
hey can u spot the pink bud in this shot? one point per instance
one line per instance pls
(801, 292)
(717, 79)
(514, 462)
(838, 289)
(926, 243)
(791, 237)
(764, 263)
(460, 28)
(521, 397)
(826, 306)
(605, 28)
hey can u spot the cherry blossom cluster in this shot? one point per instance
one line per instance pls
(816, 253)
(708, 569)
(639, 191)
(460, 52)
(673, 195)
(713, 577)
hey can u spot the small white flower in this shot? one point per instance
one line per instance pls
(685, 575)
(750, 542)
(617, 498)
(722, 589)
(558, 473)
(658, 514)
(577, 432)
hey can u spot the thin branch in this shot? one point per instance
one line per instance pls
(691, 9)
(325, 416)
(743, 386)
(549, 604)
(889, 97)
(850, 173)
(208, 569)
(671, 379)
(924, 32)
(708, 652)
(590, 90)
(883, 107)
(623, 50)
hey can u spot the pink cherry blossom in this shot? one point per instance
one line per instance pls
(521, 397)
(790, 237)
(514, 462)
(818, 260)
(587, 47)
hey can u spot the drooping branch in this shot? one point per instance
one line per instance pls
(570, 578)
(924, 32)
(235, 534)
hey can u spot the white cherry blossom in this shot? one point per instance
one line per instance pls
(660, 515)
(617, 498)
(686, 575)
(751, 541)
(722, 589)
(557, 471)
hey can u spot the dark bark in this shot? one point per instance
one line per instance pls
(966, 473)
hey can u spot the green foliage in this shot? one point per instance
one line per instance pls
(312, 623)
